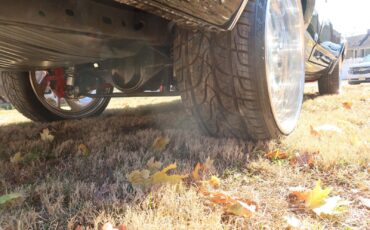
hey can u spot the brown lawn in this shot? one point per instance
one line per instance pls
(63, 189)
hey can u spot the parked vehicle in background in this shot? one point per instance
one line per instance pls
(360, 72)
(238, 64)
(324, 55)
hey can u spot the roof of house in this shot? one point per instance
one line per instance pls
(359, 41)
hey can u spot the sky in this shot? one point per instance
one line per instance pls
(349, 17)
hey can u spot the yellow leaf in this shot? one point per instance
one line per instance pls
(138, 177)
(240, 208)
(317, 196)
(17, 158)
(153, 165)
(83, 150)
(332, 206)
(162, 177)
(276, 155)
(46, 136)
(214, 182)
(160, 143)
(195, 172)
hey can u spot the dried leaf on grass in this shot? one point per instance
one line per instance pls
(303, 159)
(160, 144)
(244, 209)
(317, 196)
(277, 155)
(11, 198)
(144, 177)
(232, 205)
(214, 182)
(347, 105)
(318, 201)
(17, 158)
(162, 177)
(83, 150)
(46, 136)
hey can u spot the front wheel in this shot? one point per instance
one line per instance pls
(26, 93)
(246, 83)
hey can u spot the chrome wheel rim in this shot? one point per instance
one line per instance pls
(284, 56)
(64, 107)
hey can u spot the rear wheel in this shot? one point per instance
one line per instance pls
(247, 83)
(25, 91)
(330, 83)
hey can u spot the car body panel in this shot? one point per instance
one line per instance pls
(206, 13)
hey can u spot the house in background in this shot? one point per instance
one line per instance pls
(358, 46)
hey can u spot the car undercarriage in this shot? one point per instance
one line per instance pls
(238, 65)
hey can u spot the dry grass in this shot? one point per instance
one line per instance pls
(64, 189)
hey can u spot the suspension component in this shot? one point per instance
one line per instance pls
(70, 89)
(55, 81)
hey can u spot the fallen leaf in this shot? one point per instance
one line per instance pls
(365, 202)
(83, 150)
(293, 222)
(240, 208)
(314, 132)
(276, 155)
(297, 199)
(160, 143)
(162, 177)
(232, 205)
(332, 206)
(153, 165)
(316, 197)
(220, 198)
(17, 158)
(138, 177)
(11, 198)
(304, 159)
(347, 105)
(46, 136)
(214, 182)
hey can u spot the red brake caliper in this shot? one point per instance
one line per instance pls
(56, 82)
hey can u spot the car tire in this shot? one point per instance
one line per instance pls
(224, 77)
(18, 90)
(330, 82)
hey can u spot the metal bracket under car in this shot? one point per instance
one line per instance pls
(38, 34)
